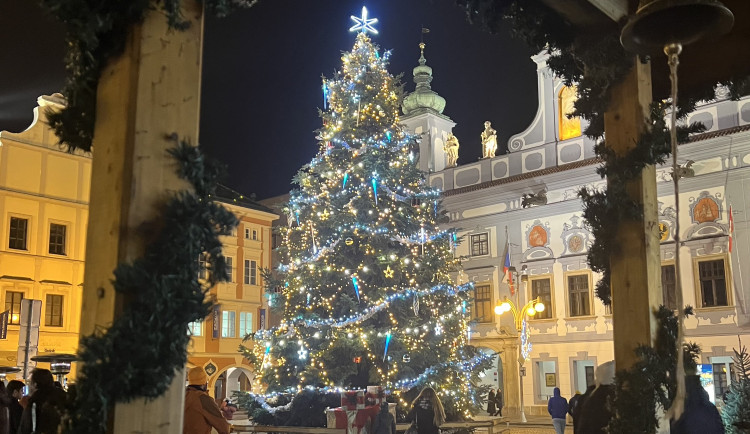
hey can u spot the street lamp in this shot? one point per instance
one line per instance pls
(524, 347)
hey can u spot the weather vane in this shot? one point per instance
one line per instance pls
(364, 24)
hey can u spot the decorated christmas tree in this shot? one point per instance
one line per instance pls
(365, 287)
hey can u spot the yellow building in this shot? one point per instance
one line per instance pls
(241, 306)
(44, 195)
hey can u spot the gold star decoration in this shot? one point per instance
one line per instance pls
(388, 272)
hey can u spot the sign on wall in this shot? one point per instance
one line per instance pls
(262, 319)
(216, 319)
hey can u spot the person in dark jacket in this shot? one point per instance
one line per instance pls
(46, 404)
(15, 392)
(700, 415)
(384, 422)
(558, 409)
(592, 413)
(491, 402)
(427, 412)
(499, 402)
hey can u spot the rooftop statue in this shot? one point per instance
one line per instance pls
(451, 150)
(489, 140)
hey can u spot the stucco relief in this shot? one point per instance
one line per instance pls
(705, 211)
(576, 237)
(667, 220)
(537, 240)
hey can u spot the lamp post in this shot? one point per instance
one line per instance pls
(519, 319)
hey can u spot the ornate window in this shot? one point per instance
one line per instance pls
(713, 283)
(569, 127)
(579, 296)
(480, 244)
(483, 310)
(542, 288)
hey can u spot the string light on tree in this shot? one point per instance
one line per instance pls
(385, 295)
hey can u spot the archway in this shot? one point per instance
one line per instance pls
(236, 379)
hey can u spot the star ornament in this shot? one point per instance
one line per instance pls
(388, 272)
(363, 24)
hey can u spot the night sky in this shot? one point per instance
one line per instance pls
(262, 72)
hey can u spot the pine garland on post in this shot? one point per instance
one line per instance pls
(139, 354)
(95, 33)
(736, 411)
(650, 383)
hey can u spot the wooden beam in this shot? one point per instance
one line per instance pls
(151, 91)
(636, 266)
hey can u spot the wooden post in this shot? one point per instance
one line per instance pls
(149, 92)
(636, 268)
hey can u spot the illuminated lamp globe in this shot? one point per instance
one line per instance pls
(539, 307)
(498, 310)
(531, 311)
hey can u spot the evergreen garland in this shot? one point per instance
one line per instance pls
(139, 354)
(736, 411)
(605, 210)
(96, 32)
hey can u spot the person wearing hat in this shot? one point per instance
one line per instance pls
(201, 411)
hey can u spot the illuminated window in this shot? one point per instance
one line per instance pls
(246, 323)
(579, 295)
(542, 288)
(53, 314)
(569, 127)
(57, 239)
(480, 244)
(18, 233)
(713, 283)
(483, 303)
(13, 306)
(195, 328)
(228, 329)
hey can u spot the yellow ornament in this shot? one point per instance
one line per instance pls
(388, 272)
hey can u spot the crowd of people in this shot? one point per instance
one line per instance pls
(40, 411)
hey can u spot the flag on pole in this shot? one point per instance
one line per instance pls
(731, 229)
(507, 277)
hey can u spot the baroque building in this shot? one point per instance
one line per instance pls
(44, 195)
(44, 198)
(524, 205)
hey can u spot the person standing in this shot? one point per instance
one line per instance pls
(15, 392)
(592, 413)
(46, 404)
(384, 422)
(558, 409)
(201, 411)
(427, 412)
(491, 402)
(499, 402)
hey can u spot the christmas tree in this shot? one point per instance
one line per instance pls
(365, 287)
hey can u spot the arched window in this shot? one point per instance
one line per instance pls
(569, 127)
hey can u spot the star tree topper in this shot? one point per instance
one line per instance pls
(364, 24)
